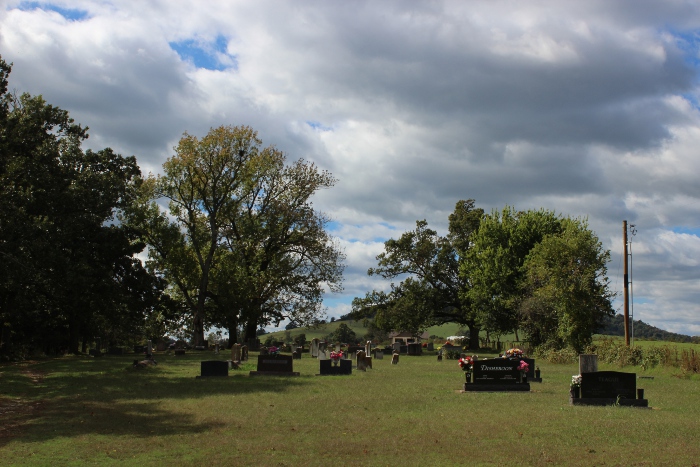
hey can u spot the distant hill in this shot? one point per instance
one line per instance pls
(615, 326)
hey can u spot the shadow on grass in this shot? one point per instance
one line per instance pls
(78, 396)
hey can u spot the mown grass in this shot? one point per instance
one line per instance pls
(84, 411)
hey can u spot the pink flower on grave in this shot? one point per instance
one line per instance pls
(336, 355)
(523, 366)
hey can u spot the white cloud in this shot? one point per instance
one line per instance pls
(586, 108)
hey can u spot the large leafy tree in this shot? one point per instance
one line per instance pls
(432, 290)
(539, 272)
(245, 245)
(67, 271)
(494, 264)
(566, 288)
(281, 256)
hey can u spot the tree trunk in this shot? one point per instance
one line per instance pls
(251, 329)
(232, 331)
(473, 336)
(198, 329)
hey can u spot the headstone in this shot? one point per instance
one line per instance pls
(263, 351)
(344, 367)
(213, 368)
(415, 348)
(236, 353)
(361, 362)
(395, 359)
(322, 346)
(368, 361)
(587, 363)
(179, 352)
(378, 354)
(314, 347)
(497, 374)
(216, 349)
(431, 346)
(396, 346)
(322, 354)
(296, 355)
(282, 365)
(244, 353)
(368, 348)
(337, 346)
(609, 384)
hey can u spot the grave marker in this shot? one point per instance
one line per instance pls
(213, 368)
(280, 365)
(497, 374)
(610, 388)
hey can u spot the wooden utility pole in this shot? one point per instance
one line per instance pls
(626, 286)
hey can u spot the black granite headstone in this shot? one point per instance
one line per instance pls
(497, 370)
(214, 368)
(344, 367)
(608, 385)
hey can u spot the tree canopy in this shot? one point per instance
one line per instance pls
(245, 245)
(510, 270)
(68, 272)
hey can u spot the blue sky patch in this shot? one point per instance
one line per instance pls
(207, 55)
(68, 13)
(687, 230)
(318, 126)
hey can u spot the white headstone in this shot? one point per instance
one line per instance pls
(314, 347)
(322, 355)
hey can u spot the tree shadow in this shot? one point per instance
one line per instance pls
(81, 396)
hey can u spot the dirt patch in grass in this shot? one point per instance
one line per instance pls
(16, 412)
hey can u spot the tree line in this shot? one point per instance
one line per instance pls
(531, 271)
(230, 235)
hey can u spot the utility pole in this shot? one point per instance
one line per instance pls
(626, 286)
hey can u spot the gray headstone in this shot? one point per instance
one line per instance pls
(587, 363)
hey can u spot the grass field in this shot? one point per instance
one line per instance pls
(85, 411)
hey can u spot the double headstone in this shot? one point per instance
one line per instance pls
(327, 367)
(275, 365)
(497, 374)
(610, 388)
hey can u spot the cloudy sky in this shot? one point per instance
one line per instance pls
(585, 108)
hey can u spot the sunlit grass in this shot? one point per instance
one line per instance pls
(97, 411)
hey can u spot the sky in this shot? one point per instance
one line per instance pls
(589, 109)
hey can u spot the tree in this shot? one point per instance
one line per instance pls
(245, 245)
(344, 334)
(493, 264)
(567, 296)
(283, 255)
(433, 292)
(67, 271)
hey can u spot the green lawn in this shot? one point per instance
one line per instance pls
(84, 411)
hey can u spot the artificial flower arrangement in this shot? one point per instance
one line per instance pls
(274, 351)
(466, 363)
(576, 381)
(513, 353)
(336, 355)
(523, 366)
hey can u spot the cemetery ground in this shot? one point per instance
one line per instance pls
(80, 411)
